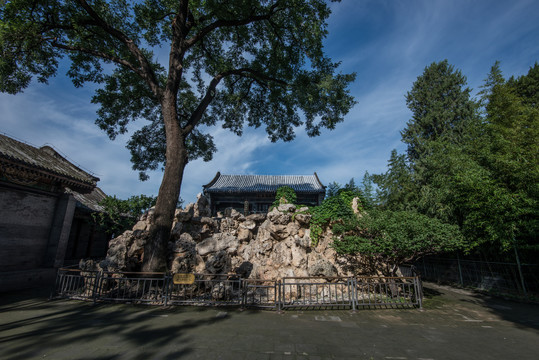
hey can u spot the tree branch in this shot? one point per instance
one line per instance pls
(146, 71)
(210, 92)
(228, 23)
(255, 75)
(99, 54)
(201, 108)
(177, 47)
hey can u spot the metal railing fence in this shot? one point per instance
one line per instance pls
(498, 277)
(301, 292)
(128, 286)
(225, 289)
(77, 284)
(389, 291)
(206, 290)
(261, 293)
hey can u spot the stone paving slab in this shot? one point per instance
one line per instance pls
(454, 324)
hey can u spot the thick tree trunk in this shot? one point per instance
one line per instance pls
(155, 250)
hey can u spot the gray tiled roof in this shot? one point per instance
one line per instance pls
(89, 201)
(44, 159)
(264, 183)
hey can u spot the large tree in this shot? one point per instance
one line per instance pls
(479, 172)
(231, 61)
(511, 153)
(441, 109)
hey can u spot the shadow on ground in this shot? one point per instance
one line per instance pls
(29, 318)
(522, 314)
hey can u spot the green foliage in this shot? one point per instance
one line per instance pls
(479, 173)
(441, 109)
(332, 189)
(511, 154)
(333, 209)
(252, 63)
(367, 189)
(396, 189)
(287, 193)
(120, 215)
(395, 236)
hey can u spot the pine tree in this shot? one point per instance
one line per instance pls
(441, 109)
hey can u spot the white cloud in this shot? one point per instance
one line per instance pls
(388, 43)
(66, 122)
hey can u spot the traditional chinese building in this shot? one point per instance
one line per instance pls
(256, 193)
(45, 214)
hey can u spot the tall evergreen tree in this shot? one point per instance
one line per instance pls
(395, 187)
(441, 109)
(512, 128)
(368, 189)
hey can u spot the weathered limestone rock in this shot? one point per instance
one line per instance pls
(244, 235)
(248, 224)
(184, 263)
(323, 268)
(292, 229)
(281, 255)
(233, 214)
(278, 232)
(185, 243)
(264, 246)
(203, 227)
(302, 241)
(141, 225)
(299, 257)
(176, 230)
(303, 219)
(217, 243)
(286, 208)
(244, 269)
(356, 205)
(185, 214)
(279, 218)
(221, 291)
(202, 207)
(257, 218)
(218, 263)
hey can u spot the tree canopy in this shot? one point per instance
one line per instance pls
(395, 237)
(236, 62)
(119, 215)
(181, 66)
(470, 163)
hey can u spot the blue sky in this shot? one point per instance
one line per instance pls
(387, 43)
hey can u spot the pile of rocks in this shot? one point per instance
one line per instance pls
(260, 246)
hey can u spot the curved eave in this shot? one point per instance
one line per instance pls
(51, 175)
(214, 180)
(240, 191)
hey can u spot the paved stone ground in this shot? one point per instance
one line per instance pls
(454, 324)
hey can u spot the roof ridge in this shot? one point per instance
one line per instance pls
(256, 182)
(46, 159)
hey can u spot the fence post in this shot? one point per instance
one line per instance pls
(279, 299)
(96, 286)
(418, 291)
(519, 268)
(460, 270)
(352, 283)
(166, 285)
(243, 289)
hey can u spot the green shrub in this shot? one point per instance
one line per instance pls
(333, 209)
(287, 193)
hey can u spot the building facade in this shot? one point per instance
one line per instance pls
(45, 206)
(256, 193)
